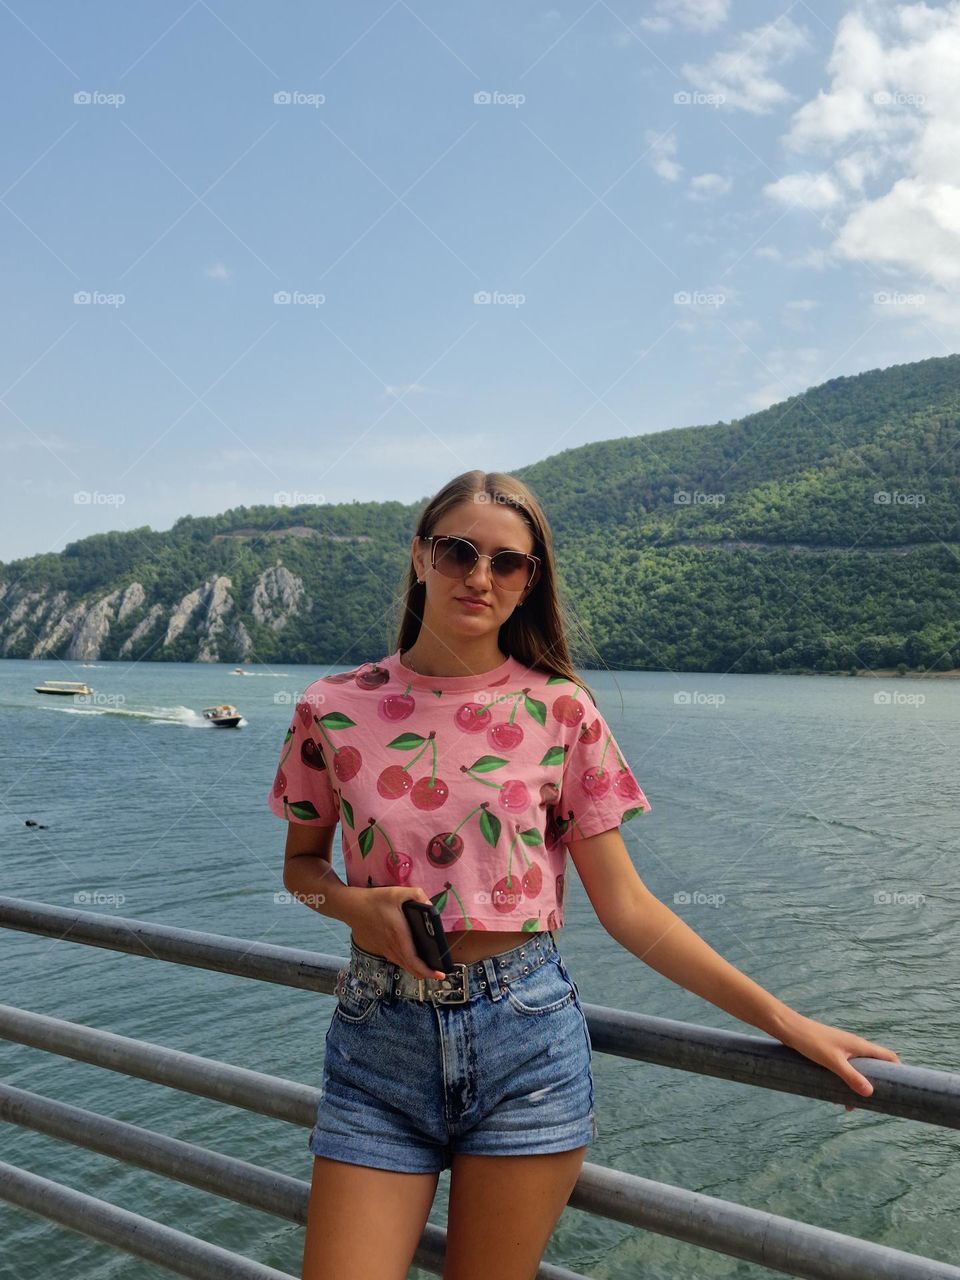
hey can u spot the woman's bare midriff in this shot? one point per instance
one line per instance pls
(468, 945)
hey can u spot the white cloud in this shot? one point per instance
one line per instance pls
(661, 152)
(219, 272)
(741, 73)
(808, 190)
(706, 185)
(888, 127)
(695, 15)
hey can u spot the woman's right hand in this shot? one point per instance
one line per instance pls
(378, 925)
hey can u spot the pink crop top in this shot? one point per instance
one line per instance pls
(470, 787)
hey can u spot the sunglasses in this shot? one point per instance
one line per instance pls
(457, 558)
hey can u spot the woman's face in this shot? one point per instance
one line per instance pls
(491, 526)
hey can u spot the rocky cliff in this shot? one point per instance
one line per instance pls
(208, 624)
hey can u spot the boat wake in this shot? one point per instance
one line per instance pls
(185, 717)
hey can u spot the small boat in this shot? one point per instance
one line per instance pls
(224, 717)
(67, 688)
(239, 671)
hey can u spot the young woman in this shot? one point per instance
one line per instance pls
(462, 768)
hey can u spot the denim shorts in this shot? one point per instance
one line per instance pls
(408, 1084)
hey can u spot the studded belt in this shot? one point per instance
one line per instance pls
(458, 985)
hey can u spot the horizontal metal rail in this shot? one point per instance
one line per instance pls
(912, 1093)
(180, 1253)
(197, 1166)
(783, 1244)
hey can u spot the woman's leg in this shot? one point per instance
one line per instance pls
(364, 1223)
(503, 1210)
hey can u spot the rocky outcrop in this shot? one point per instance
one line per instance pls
(219, 605)
(141, 630)
(276, 597)
(41, 623)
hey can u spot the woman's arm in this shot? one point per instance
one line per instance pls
(647, 927)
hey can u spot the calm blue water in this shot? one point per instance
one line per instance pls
(796, 799)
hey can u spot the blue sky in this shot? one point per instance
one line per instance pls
(502, 231)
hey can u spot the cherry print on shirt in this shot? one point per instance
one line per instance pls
(372, 678)
(398, 864)
(396, 706)
(302, 809)
(445, 848)
(427, 793)
(514, 796)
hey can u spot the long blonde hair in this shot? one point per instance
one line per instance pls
(536, 632)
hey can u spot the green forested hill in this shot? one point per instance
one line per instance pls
(820, 534)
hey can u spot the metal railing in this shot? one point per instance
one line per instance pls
(779, 1243)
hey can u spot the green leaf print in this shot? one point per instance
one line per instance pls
(303, 809)
(407, 742)
(336, 720)
(440, 901)
(555, 755)
(487, 764)
(490, 827)
(365, 840)
(531, 836)
(536, 709)
(632, 813)
(346, 811)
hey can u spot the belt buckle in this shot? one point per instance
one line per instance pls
(439, 996)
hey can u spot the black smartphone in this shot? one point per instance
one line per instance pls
(429, 939)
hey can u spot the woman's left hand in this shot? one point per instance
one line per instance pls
(832, 1048)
